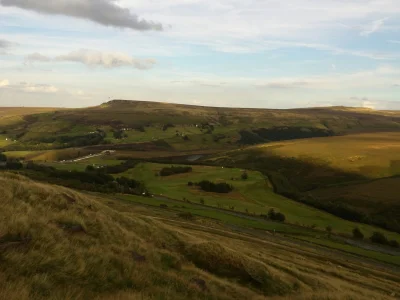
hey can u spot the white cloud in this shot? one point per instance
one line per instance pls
(106, 59)
(94, 58)
(37, 88)
(105, 12)
(373, 27)
(241, 46)
(5, 44)
(4, 83)
(394, 42)
(37, 57)
(28, 87)
(381, 77)
(285, 84)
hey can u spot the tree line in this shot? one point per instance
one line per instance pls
(209, 186)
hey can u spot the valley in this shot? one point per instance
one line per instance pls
(294, 181)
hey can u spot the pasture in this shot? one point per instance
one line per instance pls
(369, 154)
(252, 196)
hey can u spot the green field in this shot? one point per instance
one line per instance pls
(254, 195)
(296, 232)
(359, 173)
(22, 154)
(5, 140)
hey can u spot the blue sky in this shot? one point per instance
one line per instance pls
(253, 53)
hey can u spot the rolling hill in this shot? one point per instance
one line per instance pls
(183, 127)
(312, 155)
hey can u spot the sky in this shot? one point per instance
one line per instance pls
(234, 53)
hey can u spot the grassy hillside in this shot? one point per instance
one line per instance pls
(184, 127)
(247, 205)
(253, 196)
(372, 155)
(334, 173)
(59, 244)
(14, 115)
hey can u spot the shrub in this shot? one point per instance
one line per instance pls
(271, 214)
(280, 217)
(166, 126)
(14, 165)
(202, 201)
(274, 216)
(357, 234)
(190, 183)
(379, 238)
(140, 128)
(245, 176)
(89, 168)
(118, 134)
(125, 166)
(175, 170)
(163, 205)
(186, 215)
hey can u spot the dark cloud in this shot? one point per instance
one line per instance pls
(105, 12)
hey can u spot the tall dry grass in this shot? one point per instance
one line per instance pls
(56, 243)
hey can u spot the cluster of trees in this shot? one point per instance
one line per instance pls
(132, 186)
(345, 212)
(290, 133)
(380, 238)
(119, 134)
(208, 186)
(124, 166)
(9, 163)
(96, 176)
(168, 171)
(275, 216)
(67, 141)
(376, 237)
(206, 128)
(92, 179)
(140, 128)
